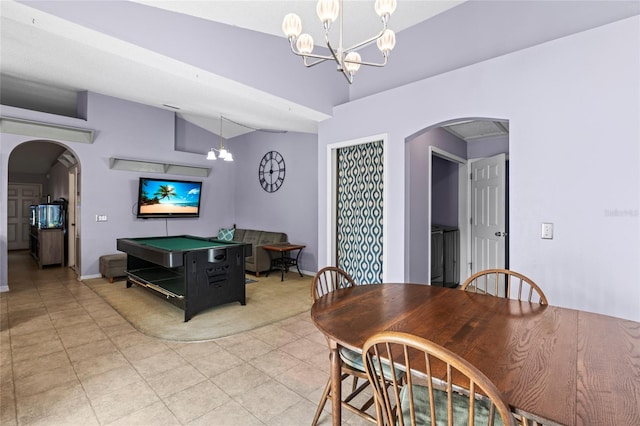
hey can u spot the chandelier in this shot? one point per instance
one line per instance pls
(223, 154)
(348, 59)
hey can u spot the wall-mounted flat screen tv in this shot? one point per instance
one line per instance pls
(168, 198)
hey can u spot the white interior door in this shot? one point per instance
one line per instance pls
(488, 225)
(20, 197)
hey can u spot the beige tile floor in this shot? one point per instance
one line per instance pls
(68, 358)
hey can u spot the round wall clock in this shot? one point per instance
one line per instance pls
(271, 171)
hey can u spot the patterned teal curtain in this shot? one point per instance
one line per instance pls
(359, 215)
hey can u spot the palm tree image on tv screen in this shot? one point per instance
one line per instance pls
(168, 198)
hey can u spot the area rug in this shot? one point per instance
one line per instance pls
(268, 300)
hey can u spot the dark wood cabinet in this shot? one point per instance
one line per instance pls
(47, 246)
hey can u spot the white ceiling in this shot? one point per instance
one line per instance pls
(473, 130)
(265, 16)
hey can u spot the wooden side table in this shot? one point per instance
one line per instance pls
(286, 259)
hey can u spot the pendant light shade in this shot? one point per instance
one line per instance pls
(223, 154)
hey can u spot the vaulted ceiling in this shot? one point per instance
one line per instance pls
(51, 50)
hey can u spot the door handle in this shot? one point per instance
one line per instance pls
(500, 234)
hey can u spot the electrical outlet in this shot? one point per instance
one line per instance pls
(101, 218)
(547, 231)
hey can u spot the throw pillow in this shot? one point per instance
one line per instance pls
(226, 234)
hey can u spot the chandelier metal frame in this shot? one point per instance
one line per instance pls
(348, 59)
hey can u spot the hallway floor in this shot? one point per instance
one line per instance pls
(68, 358)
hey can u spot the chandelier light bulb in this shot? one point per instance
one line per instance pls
(305, 44)
(211, 155)
(292, 25)
(223, 153)
(385, 8)
(327, 11)
(354, 66)
(330, 11)
(228, 157)
(387, 42)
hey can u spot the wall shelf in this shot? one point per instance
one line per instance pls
(39, 129)
(130, 165)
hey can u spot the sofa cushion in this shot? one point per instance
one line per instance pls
(271, 237)
(260, 259)
(238, 235)
(251, 236)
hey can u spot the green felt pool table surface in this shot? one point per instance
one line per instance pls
(181, 243)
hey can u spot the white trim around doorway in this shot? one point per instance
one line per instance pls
(331, 196)
(463, 208)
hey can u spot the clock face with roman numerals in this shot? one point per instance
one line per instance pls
(271, 171)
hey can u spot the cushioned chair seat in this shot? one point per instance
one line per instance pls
(354, 360)
(460, 408)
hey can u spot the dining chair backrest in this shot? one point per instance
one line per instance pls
(328, 279)
(428, 396)
(515, 285)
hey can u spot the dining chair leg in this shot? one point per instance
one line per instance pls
(322, 403)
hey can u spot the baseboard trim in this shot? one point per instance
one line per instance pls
(88, 277)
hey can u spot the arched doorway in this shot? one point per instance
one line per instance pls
(40, 172)
(451, 146)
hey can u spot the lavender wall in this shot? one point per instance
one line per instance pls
(58, 182)
(133, 131)
(291, 209)
(418, 168)
(466, 34)
(488, 147)
(195, 139)
(558, 97)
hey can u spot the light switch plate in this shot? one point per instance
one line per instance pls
(547, 231)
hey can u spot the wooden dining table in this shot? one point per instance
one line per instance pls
(553, 365)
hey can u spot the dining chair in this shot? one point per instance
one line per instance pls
(327, 280)
(427, 394)
(489, 281)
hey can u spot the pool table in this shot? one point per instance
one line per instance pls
(192, 273)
